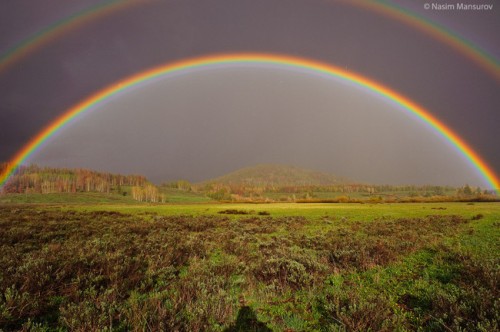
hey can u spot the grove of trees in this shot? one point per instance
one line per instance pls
(47, 180)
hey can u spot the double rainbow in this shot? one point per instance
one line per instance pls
(311, 66)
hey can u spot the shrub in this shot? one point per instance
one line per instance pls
(346, 308)
(282, 273)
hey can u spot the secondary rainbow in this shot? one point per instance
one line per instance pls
(61, 27)
(489, 63)
(390, 10)
(437, 31)
(312, 66)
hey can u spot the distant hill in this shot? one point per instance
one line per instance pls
(266, 175)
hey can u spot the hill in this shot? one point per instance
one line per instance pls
(270, 175)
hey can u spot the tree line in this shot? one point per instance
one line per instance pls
(47, 180)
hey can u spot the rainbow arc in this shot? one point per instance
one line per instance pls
(62, 27)
(307, 65)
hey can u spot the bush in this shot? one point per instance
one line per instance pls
(282, 273)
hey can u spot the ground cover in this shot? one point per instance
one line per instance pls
(297, 267)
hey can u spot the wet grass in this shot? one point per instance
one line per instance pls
(318, 267)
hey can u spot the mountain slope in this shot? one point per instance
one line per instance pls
(278, 176)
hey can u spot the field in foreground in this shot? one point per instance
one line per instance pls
(253, 267)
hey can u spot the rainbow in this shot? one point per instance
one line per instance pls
(438, 32)
(311, 66)
(390, 10)
(59, 28)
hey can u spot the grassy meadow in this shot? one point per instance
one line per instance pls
(119, 266)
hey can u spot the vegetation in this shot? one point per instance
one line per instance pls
(269, 175)
(84, 250)
(148, 193)
(262, 267)
(262, 183)
(44, 180)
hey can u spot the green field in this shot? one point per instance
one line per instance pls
(118, 265)
(95, 198)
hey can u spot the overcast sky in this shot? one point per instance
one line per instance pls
(204, 123)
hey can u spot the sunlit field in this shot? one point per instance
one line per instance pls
(250, 267)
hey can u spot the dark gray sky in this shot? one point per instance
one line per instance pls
(205, 123)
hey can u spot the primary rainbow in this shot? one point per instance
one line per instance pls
(312, 66)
